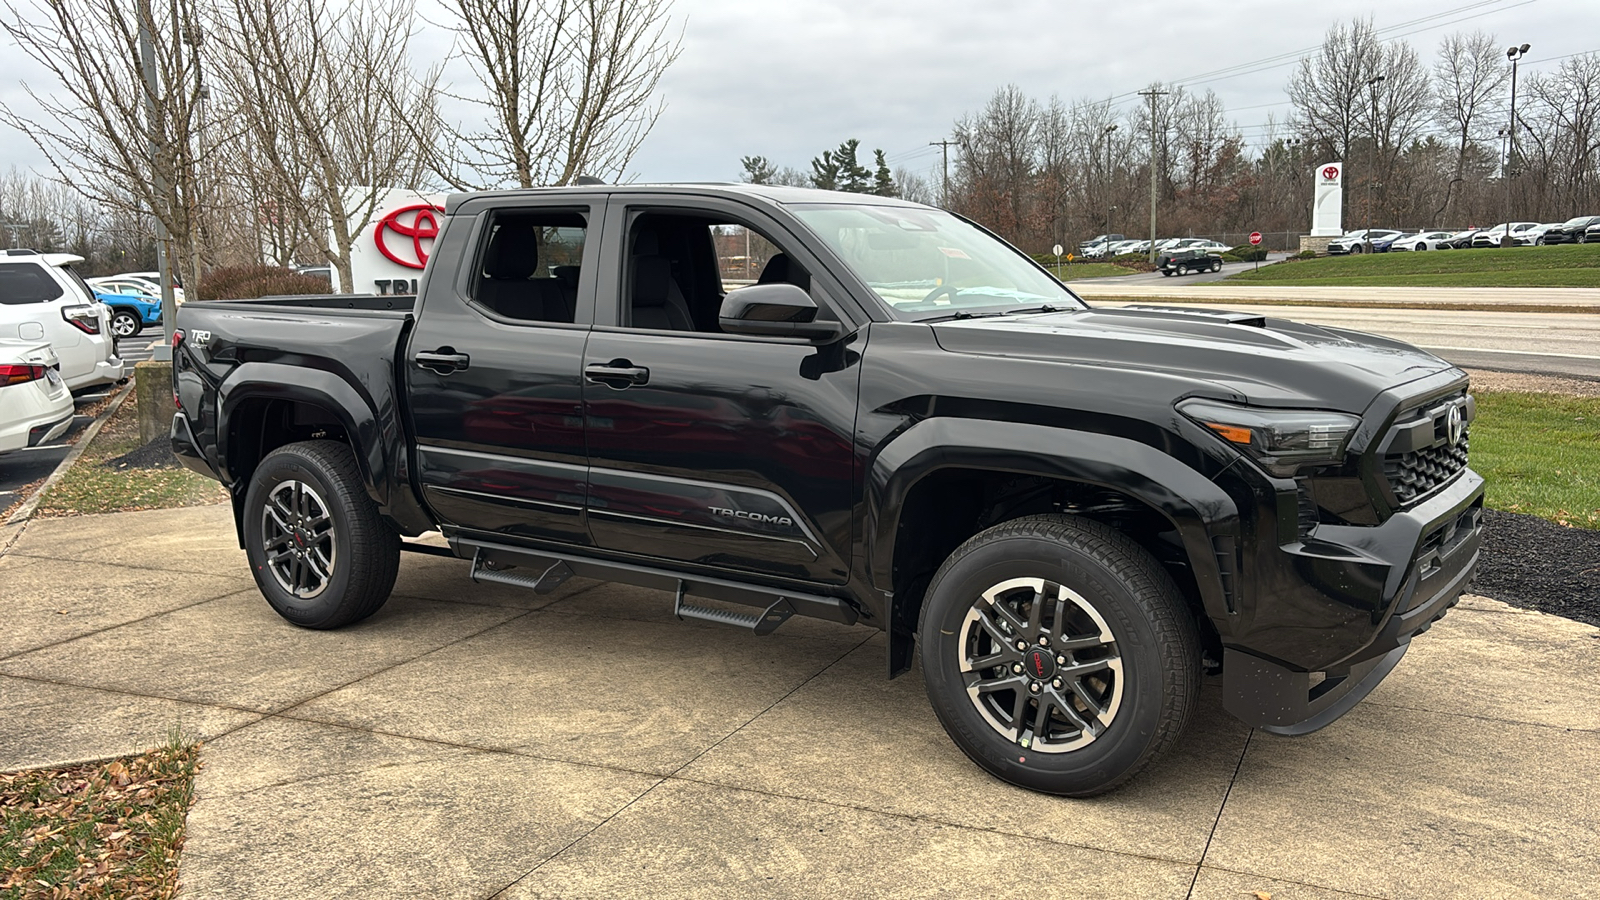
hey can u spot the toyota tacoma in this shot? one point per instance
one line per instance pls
(774, 402)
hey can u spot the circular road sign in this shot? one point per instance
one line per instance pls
(1057, 250)
(1255, 238)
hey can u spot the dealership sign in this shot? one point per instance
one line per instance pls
(391, 250)
(1327, 208)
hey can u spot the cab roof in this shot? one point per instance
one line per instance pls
(777, 195)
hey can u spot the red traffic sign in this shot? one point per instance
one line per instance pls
(1255, 238)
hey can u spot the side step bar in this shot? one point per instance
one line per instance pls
(760, 623)
(778, 605)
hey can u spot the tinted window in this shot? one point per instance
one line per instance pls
(531, 263)
(27, 283)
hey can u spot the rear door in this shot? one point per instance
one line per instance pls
(493, 368)
(711, 448)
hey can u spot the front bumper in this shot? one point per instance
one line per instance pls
(1363, 593)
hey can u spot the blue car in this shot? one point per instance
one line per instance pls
(130, 313)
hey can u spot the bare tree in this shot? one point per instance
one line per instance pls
(104, 133)
(1469, 72)
(1561, 132)
(568, 88)
(1328, 89)
(319, 92)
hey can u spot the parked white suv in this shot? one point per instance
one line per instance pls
(42, 299)
(35, 405)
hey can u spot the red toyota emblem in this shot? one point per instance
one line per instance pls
(1330, 173)
(418, 222)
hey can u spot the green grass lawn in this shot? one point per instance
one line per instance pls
(1070, 271)
(96, 483)
(1540, 454)
(1567, 265)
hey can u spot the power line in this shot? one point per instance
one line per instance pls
(944, 148)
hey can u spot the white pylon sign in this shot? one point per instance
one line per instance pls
(1327, 207)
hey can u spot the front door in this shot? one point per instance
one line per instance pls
(710, 448)
(494, 369)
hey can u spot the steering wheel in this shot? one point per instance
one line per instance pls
(950, 289)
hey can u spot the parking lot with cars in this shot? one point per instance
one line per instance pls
(1577, 230)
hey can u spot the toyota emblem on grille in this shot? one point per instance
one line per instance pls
(1454, 426)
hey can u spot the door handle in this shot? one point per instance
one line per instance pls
(619, 373)
(443, 361)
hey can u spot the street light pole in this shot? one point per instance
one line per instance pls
(1109, 207)
(1514, 54)
(1372, 84)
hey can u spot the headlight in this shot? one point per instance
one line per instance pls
(1281, 440)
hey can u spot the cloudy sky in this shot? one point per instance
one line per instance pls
(789, 79)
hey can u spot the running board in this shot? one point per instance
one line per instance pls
(544, 584)
(490, 562)
(759, 623)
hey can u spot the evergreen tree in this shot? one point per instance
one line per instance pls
(838, 170)
(882, 180)
(825, 172)
(758, 170)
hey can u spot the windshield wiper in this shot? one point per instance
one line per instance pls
(1042, 308)
(961, 314)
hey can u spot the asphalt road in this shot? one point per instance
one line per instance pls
(1564, 344)
(23, 467)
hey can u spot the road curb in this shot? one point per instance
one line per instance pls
(25, 511)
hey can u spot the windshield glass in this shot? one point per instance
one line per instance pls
(926, 263)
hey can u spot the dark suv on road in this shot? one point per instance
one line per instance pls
(1071, 513)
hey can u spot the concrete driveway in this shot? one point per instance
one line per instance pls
(480, 741)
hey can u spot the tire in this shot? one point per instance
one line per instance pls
(1182, 271)
(1359, 248)
(1106, 586)
(1420, 247)
(1216, 265)
(344, 567)
(1167, 273)
(125, 324)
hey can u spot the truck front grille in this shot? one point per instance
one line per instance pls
(1415, 475)
(1426, 447)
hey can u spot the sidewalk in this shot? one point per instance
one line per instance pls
(480, 741)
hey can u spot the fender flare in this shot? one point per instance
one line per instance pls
(275, 381)
(1197, 507)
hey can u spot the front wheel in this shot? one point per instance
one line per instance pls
(1216, 266)
(1058, 655)
(318, 548)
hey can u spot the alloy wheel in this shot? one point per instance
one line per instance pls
(124, 326)
(1040, 665)
(298, 536)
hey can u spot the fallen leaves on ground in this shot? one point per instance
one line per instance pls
(101, 830)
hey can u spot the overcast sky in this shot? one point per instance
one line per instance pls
(789, 79)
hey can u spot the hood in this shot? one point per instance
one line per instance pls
(1259, 360)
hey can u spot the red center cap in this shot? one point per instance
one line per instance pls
(1039, 663)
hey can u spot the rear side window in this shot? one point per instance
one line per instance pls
(27, 283)
(531, 265)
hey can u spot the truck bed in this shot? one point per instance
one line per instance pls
(332, 303)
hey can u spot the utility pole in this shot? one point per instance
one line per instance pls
(1109, 207)
(1372, 176)
(1152, 94)
(158, 178)
(944, 191)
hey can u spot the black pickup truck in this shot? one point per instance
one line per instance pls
(795, 402)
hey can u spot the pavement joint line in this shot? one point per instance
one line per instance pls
(25, 511)
(1564, 729)
(7, 657)
(124, 565)
(687, 763)
(128, 693)
(1307, 884)
(1221, 808)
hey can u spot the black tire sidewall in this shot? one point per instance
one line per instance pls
(284, 465)
(1135, 727)
(122, 314)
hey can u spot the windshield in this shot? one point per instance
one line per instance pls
(926, 263)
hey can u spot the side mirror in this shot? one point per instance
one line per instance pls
(774, 310)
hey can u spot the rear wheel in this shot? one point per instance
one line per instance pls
(125, 324)
(318, 548)
(1058, 655)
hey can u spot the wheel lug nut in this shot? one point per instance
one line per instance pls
(1056, 683)
(1016, 668)
(1022, 645)
(1044, 640)
(1061, 660)
(1034, 687)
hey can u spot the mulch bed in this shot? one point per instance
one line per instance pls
(1536, 564)
(155, 455)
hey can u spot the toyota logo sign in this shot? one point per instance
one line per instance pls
(400, 234)
(1330, 173)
